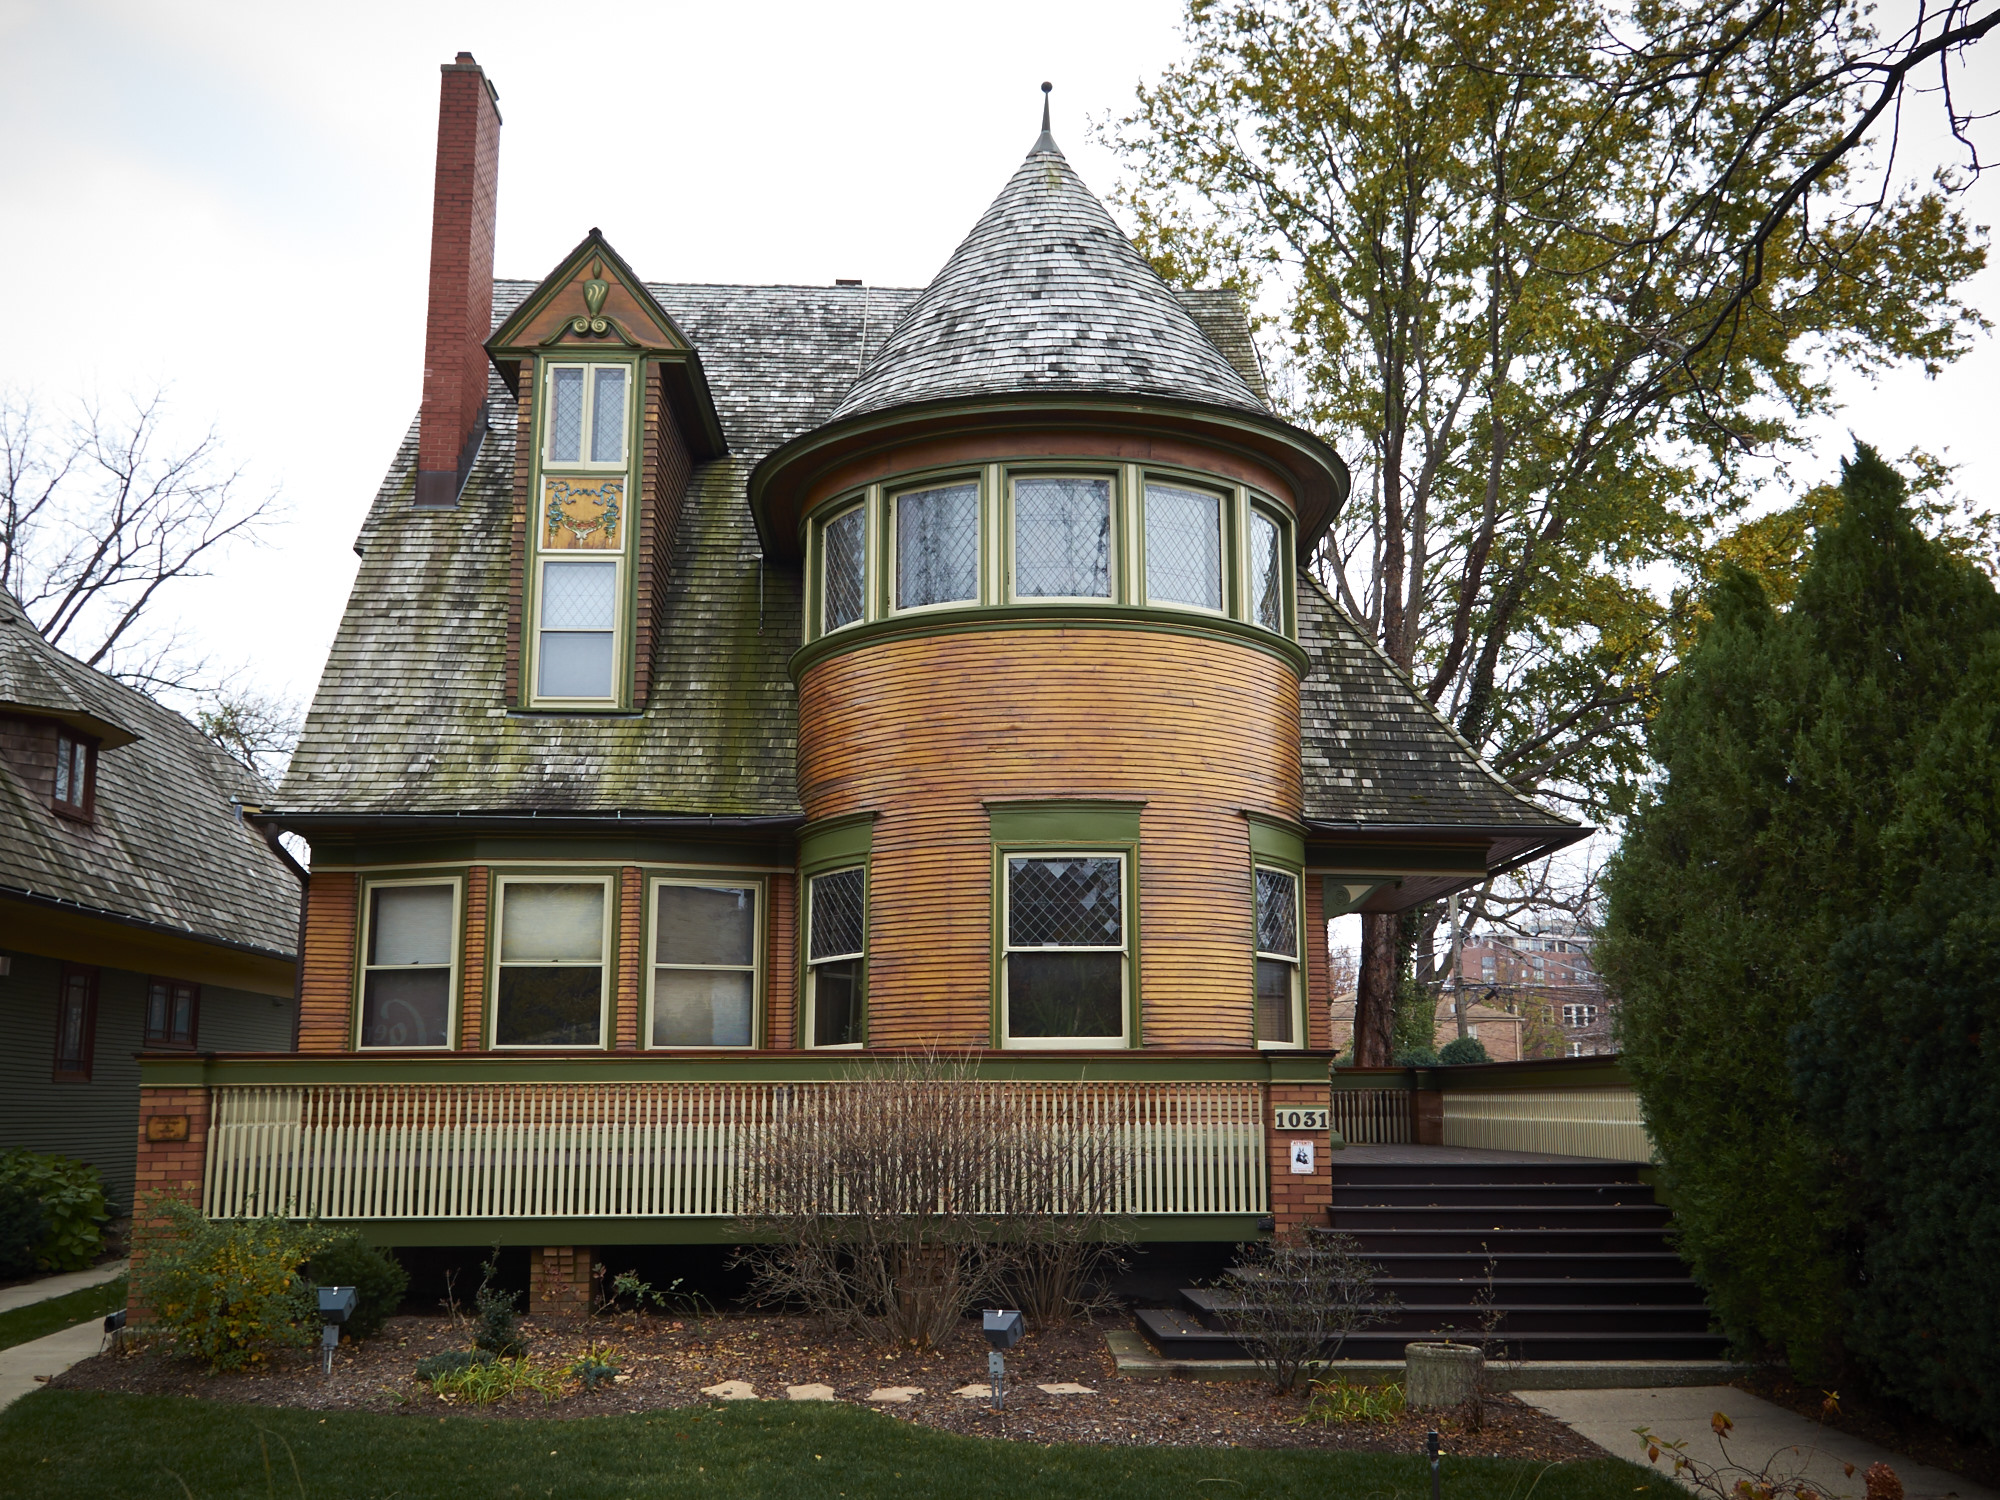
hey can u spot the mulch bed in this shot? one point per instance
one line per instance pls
(667, 1361)
(1883, 1423)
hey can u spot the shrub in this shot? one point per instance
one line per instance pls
(597, 1365)
(225, 1289)
(23, 1227)
(1463, 1049)
(1293, 1301)
(452, 1362)
(377, 1277)
(494, 1380)
(71, 1194)
(1335, 1401)
(493, 1325)
(1416, 1057)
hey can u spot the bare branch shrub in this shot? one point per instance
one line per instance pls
(1292, 1301)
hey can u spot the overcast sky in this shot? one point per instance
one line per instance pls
(234, 200)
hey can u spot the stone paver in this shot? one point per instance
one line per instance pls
(731, 1390)
(896, 1393)
(28, 1293)
(1763, 1433)
(1067, 1388)
(49, 1355)
(969, 1391)
(808, 1393)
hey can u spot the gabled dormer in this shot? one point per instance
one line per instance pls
(613, 411)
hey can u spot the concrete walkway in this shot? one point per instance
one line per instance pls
(1607, 1418)
(49, 1355)
(28, 1293)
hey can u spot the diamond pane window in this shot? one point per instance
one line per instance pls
(834, 951)
(937, 546)
(579, 609)
(1277, 957)
(844, 571)
(549, 990)
(406, 975)
(1183, 547)
(838, 920)
(704, 974)
(1065, 903)
(1062, 538)
(1065, 949)
(587, 417)
(1277, 914)
(566, 417)
(1267, 572)
(607, 416)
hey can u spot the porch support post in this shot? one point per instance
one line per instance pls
(174, 1109)
(1299, 1198)
(559, 1281)
(1427, 1110)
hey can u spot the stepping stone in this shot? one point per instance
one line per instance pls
(1066, 1388)
(975, 1390)
(731, 1390)
(808, 1393)
(896, 1393)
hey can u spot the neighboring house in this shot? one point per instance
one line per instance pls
(1498, 1028)
(1547, 978)
(138, 911)
(741, 683)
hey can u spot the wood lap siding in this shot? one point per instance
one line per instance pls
(472, 980)
(663, 481)
(781, 964)
(628, 995)
(326, 988)
(925, 731)
(1318, 987)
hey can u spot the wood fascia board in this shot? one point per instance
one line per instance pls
(52, 929)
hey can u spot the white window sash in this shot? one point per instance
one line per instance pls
(755, 968)
(612, 560)
(602, 963)
(583, 460)
(363, 968)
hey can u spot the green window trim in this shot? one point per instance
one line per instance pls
(845, 840)
(364, 908)
(1063, 821)
(1277, 841)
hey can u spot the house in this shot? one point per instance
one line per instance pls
(1545, 978)
(743, 684)
(138, 911)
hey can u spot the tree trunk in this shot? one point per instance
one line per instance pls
(1375, 993)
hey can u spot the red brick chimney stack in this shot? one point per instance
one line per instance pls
(461, 310)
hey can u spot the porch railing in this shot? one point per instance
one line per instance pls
(1372, 1117)
(1601, 1122)
(681, 1149)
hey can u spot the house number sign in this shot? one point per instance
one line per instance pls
(1293, 1118)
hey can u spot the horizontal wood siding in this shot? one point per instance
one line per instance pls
(781, 964)
(627, 997)
(925, 731)
(326, 988)
(472, 982)
(1319, 984)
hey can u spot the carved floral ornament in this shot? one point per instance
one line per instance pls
(582, 514)
(594, 292)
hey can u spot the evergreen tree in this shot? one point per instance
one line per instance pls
(1784, 742)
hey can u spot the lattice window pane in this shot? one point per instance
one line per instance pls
(1062, 538)
(1267, 572)
(579, 595)
(566, 418)
(1183, 546)
(937, 546)
(837, 914)
(1277, 913)
(1065, 903)
(607, 416)
(846, 567)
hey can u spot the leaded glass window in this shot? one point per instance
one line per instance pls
(587, 414)
(1183, 546)
(607, 416)
(844, 568)
(579, 613)
(1277, 957)
(937, 546)
(407, 965)
(1065, 948)
(171, 1008)
(549, 991)
(836, 955)
(704, 964)
(1267, 571)
(1062, 538)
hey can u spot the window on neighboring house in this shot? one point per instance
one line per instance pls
(76, 759)
(576, 644)
(843, 568)
(1277, 958)
(1579, 1015)
(1576, 1049)
(837, 957)
(1183, 546)
(1065, 950)
(1486, 966)
(704, 964)
(587, 414)
(1267, 570)
(549, 988)
(406, 970)
(937, 546)
(171, 1008)
(76, 1024)
(1062, 538)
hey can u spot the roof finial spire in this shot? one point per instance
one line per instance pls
(1046, 142)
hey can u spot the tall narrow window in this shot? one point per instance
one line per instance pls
(171, 1006)
(407, 965)
(704, 965)
(844, 567)
(1065, 949)
(1267, 572)
(1062, 538)
(76, 1024)
(587, 405)
(549, 991)
(937, 546)
(74, 758)
(575, 652)
(1183, 546)
(837, 957)
(1277, 958)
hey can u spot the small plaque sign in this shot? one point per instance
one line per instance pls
(166, 1127)
(1302, 1158)
(1291, 1117)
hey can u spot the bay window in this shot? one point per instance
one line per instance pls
(577, 630)
(1277, 958)
(704, 981)
(549, 981)
(587, 415)
(837, 957)
(937, 545)
(1062, 538)
(407, 963)
(1183, 546)
(1064, 950)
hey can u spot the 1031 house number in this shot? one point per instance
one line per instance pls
(1299, 1119)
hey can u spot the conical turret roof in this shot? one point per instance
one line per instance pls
(1046, 295)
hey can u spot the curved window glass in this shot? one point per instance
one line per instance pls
(844, 568)
(1267, 572)
(1183, 547)
(937, 546)
(1062, 538)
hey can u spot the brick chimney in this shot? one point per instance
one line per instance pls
(461, 309)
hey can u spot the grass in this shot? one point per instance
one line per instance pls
(20, 1324)
(75, 1443)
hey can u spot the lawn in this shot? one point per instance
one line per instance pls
(20, 1324)
(76, 1443)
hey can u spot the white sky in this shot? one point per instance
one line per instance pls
(234, 199)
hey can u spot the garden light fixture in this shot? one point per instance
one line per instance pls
(336, 1306)
(1003, 1331)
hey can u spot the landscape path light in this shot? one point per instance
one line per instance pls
(1003, 1331)
(336, 1306)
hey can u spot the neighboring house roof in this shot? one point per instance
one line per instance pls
(1047, 296)
(165, 847)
